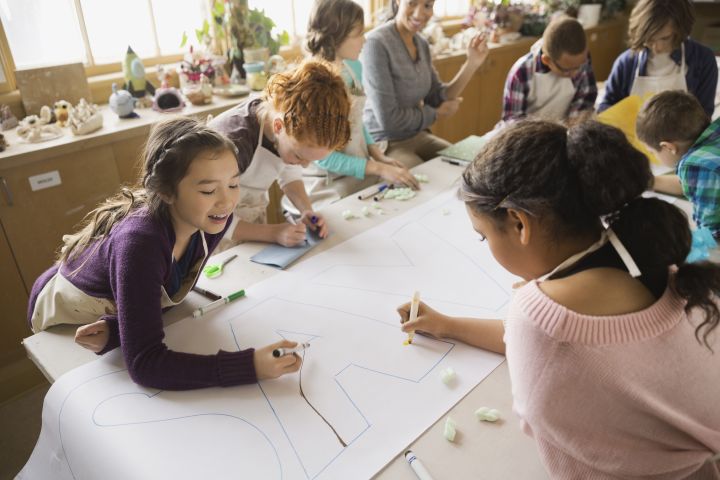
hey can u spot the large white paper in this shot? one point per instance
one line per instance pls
(377, 393)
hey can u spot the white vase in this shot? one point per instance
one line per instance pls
(589, 14)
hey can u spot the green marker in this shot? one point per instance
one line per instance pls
(218, 303)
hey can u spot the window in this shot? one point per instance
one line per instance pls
(293, 15)
(98, 32)
(43, 32)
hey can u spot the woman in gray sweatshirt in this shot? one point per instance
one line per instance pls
(405, 95)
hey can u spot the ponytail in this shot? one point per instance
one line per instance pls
(572, 179)
(657, 235)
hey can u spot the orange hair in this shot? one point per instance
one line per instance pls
(313, 102)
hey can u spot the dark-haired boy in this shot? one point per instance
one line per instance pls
(555, 81)
(676, 128)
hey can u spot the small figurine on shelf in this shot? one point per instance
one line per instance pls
(35, 129)
(7, 119)
(197, 74)
(167, 98)
(122, 103)
(85, 118)
(3, 143)
(62, 110)
(199, 94)
(135, 82)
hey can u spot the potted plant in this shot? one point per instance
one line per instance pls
(259, 42)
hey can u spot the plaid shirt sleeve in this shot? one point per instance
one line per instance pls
(702, 187)
(517, 88)
(585, 90)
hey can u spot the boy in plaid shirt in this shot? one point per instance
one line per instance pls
(676, 128)
(555, 81)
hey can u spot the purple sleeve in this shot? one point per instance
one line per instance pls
(137, 269)
(620, 81)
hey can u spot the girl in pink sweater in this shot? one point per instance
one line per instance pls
(611, 341)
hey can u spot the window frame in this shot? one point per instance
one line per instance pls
(93, 69)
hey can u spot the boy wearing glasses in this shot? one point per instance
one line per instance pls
(555, 80)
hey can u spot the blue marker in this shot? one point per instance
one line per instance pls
(313, 219)
(379, 189)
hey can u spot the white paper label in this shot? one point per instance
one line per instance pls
(45, 180)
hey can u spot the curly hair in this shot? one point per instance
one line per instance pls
(313, 102)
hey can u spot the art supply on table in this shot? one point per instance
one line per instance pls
(454, 162)
(464, 151)
(207, 293)
(279, 352)
(417, 466)
(218, 303)
(414, 305)
(214, 271)
(381, 188)
(449, 430)
(281, 257)
(289, 217)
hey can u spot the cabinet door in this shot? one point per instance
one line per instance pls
(492, 75)
(36, 220)
(605, 43)
(465, 120)
(13, 306)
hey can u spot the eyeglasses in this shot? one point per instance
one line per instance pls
(566, 71)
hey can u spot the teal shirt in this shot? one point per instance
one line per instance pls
(339, 162)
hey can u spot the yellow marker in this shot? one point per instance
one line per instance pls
(413, 315)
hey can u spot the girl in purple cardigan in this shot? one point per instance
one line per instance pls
(612, 340)
(142, 251)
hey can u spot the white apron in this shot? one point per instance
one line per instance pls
(61, 302)
(550, 96)
(254, 183)
(650, 86)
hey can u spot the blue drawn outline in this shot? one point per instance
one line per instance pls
(415, 221)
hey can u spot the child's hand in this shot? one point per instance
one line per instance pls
(267, 366)
(93, 336)
(478, 50)
(289, 235)
(315, 222)
(392, 161)
(428, 321)
(396, 175)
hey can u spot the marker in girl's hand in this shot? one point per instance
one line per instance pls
(414, 305)
(279, 352)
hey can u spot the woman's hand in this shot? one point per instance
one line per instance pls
(93, 336)
(449, 107)
(477, 51)
(267, 366)
(315, 222)
(428, 321)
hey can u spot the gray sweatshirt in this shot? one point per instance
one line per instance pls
(402, 94)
